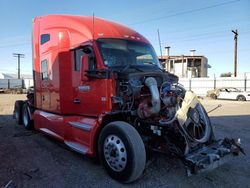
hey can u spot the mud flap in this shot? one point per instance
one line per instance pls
(212, 156)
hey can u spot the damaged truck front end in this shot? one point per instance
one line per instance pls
(168, 118)
(171, 120)
(100, 89)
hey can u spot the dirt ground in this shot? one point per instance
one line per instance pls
(31, 159)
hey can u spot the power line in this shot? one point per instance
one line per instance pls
(201, 34)
(218, 25)
(199, 38)
(142, 9)
(193, 38)
(185, 12)
(13, 45)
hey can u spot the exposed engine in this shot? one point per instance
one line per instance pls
(164, 108)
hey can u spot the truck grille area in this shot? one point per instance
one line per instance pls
(212, 156)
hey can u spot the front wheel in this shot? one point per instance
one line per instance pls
(122, 151)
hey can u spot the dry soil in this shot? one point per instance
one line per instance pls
(31, 159)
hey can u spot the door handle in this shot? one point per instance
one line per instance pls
(77, 101)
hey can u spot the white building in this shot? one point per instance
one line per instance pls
(186, 66)
(11, 81)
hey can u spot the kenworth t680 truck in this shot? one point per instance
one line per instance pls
(100, 89)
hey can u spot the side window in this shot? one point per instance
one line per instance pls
(44, 69)
(78, 58)
(44, 38)
(78, 54)
(233, 90)
(92, 63)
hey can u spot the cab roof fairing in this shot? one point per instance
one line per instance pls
(83, 28)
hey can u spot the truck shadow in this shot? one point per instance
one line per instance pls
(163, 170)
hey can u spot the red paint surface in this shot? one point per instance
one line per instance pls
(54, 97)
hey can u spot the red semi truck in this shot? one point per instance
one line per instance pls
(100, 89)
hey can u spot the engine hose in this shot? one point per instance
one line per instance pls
(151, 83)
(162, 122)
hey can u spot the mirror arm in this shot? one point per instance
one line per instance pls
(98, 73)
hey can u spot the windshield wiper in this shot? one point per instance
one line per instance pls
(151, 63)
(163, 70)
(130, 66)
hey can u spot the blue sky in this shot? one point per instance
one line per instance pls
(203, 25)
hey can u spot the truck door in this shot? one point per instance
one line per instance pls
(91, 93)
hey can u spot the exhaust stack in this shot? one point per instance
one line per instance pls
(144, 110)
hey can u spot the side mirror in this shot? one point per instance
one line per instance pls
(84, 66)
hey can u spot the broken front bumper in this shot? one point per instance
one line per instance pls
(212, 156)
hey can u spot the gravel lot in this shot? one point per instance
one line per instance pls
(31, 159)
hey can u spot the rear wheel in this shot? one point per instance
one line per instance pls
(18, 112)
(122, 151)
(241, 98)
(27, 122)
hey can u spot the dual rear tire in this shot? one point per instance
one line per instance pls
(18, 115)
(22, 114)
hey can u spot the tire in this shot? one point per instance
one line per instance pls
(241, 98)
(213, 96)
(122, 151)
(27, 122)
(18, 112)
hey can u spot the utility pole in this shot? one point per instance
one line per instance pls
(235, 51)
(19, 56)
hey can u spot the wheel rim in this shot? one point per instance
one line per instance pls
(241, 98)
(115, 153)
(16, 114)
(25, 118)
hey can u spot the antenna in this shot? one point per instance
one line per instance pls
(93, 26)
(159, 41)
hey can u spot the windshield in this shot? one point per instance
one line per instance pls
(119, 52)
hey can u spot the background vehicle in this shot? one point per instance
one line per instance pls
(99, 88)
(229, 93)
